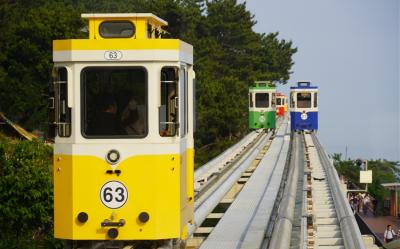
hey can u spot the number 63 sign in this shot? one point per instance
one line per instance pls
(113, 194)
(113, 55)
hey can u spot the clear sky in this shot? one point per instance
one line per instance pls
(351, 50)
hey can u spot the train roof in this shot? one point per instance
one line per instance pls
(304, 85)
(123, 37)
(123, 16)
(262, 85)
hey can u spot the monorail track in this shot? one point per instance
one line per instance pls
(289, 197)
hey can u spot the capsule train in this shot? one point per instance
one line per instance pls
(265, 106)
(262, 105)
(123, 117)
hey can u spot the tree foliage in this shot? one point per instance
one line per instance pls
(229, 56)
(383, 171)
(26, 196)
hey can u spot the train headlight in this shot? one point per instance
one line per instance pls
(261, 119)
(113, 156)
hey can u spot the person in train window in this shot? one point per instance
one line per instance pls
(132, 118)
(107, 121)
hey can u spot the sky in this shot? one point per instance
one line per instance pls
(351, 50)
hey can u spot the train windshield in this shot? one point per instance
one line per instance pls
(262, 100)
(303, 100)
(114, 102)
(278, 101)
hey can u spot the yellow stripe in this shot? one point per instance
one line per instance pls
(109, 44)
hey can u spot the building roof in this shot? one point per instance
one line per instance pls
(391, 186)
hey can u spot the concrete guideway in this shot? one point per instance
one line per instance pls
(332, 213)
(288, 197)
(245, 222)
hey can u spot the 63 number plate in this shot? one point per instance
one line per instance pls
(113, 55)
(113, 194)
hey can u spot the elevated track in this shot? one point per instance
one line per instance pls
(273, 191)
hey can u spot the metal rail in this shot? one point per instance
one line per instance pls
(223, 158)
(245, 223)
(210, 199)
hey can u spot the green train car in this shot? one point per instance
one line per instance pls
(262, 106)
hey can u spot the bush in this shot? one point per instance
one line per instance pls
(26, 195)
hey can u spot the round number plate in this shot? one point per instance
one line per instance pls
(304, 116)
(113, 194)
(261, 119)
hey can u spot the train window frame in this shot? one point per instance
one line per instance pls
(186, 99)
(267, 101)
(251, 102)
(113, 36)
(315, 99)
(83, 104)
(292, 100)
(174, 102)
(308, 102)
(273, 100)
(61, 106)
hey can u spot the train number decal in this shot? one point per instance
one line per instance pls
(113, 55)
(113, 194)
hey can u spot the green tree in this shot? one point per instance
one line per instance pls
(383, 171)
(26, 196)
(28, 29)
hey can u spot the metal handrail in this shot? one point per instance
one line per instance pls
(212, 200)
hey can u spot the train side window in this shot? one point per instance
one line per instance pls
(262, 100)
(315, 99)
(62, 111)
(114, 102)
(278, 101)
(117, 29)
(303, 100)
(251, 104)
(292, 100)
(273, 100)
(169, 109)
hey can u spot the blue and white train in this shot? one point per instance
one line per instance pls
(304, 107)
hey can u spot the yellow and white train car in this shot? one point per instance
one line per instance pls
(123, 152)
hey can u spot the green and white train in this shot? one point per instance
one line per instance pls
(262, 105)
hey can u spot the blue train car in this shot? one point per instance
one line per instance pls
(304, 107)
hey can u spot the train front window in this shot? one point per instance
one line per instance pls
(114, 102)
(262, 100)
(117, 29)
(303, 100)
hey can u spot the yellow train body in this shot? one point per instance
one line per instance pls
(157, 184)
(155, 172)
